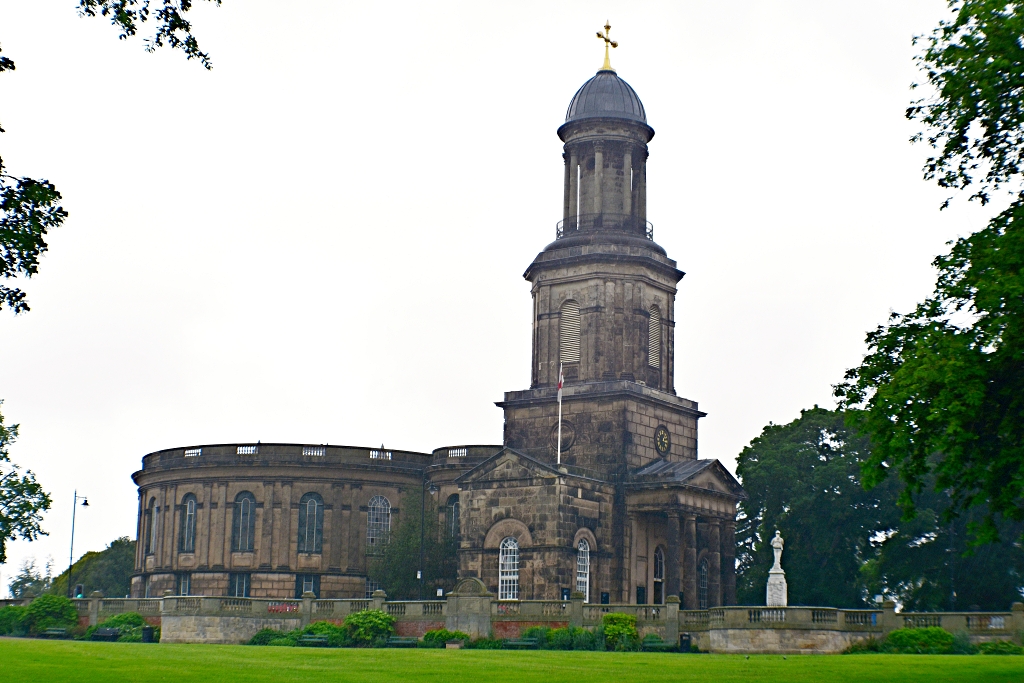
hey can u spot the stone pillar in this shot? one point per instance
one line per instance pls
(671, 634)
(576, 609)
(567, 183)
(690, 562)
(627, 171)
(641, 193)
(574, 189)
(714, 563)
(672, 557)
(729, 563)
(598, 177)
(378, 599)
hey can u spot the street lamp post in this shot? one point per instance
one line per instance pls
(71, 558)
(423, 508)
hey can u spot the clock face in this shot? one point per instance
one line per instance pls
(662, 440)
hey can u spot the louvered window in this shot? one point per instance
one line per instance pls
(569, 333)
(654, 338)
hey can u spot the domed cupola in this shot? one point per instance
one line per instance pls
(606, 96)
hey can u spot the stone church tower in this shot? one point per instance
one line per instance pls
(623, 510)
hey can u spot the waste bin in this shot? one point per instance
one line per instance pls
(147, 634)
(684, 642)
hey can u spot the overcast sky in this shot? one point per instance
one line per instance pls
(323, 239)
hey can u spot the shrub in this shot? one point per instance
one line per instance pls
(12, 620)
(620, 631)
(370, 627)
(286, 641)
(541, 633)
(962, 644)
(337, 636)
(439, 637)
(572, 638)
(50, 611)
(868, 645)
(264, 636)
(486, 644)
(1000, 647)
(924, 641)
(130, 625)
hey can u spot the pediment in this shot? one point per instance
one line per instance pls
(709, 475)
(508, 464)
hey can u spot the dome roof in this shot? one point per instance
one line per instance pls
(607, 96)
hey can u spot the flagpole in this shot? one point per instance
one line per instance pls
(559, 413)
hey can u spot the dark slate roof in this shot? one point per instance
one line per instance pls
(664, 470)
(608, 96)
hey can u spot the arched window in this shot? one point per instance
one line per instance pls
(702, 583)
(583, 569)
(451, 517)
(243, 528)
(151, 527)
(659, 576)
(378, 522)
(508, 569)
(569, 333)
(187, 537)
(311, 524)
(654, 338)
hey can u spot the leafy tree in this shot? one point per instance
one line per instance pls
(803, 479)
(396, 565)
(942, 387)
(22, 499)
(30, 582)
(845, 545)
(50, 611)
(108, 571)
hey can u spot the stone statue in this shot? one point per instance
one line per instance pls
(778, 591)
(777, 544)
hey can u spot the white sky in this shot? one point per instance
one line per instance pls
(322, 240)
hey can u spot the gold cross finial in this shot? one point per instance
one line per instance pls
(607, 41)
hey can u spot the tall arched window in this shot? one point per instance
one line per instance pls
(702, 584)
(243, 527)
(659, 576)
(378, 522)
(451, 517)
(508, 569)
(569, 333)
(654, 338)
(151, 527)
(187, 537)
(311, 524)
(583, 569)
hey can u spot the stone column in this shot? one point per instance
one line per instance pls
(598, 177)
(672, 556)
(690, 562)
(574, 189)
(729, 563)
(714, 563)
(641, 193)
(627, 170)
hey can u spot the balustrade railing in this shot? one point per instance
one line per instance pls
(618, 222)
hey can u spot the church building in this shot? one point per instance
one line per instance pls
(600, 492)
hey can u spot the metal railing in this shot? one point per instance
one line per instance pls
(618, 222)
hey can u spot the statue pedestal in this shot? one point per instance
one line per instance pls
(778, 592)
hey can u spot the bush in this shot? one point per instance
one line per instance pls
(866, 646)
(962, 644)
(337, 636)
(286, 641)
(370, 627)
(1000, 647)
(12, 620)
(50, 611)
(538, 632)
(486, 644)
(573, 638)
(620, 631)
(130, 625)
(923, 641)
(264, 636)
(439, 637)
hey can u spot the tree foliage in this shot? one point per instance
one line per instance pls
(22, 499)
(30, 582)
(941, 390)
(172, 28)
(845, 545)
(395, 567)
(108, 571)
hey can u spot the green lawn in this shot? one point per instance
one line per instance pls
(41, 661)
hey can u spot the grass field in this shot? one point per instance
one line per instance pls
(41, 661)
